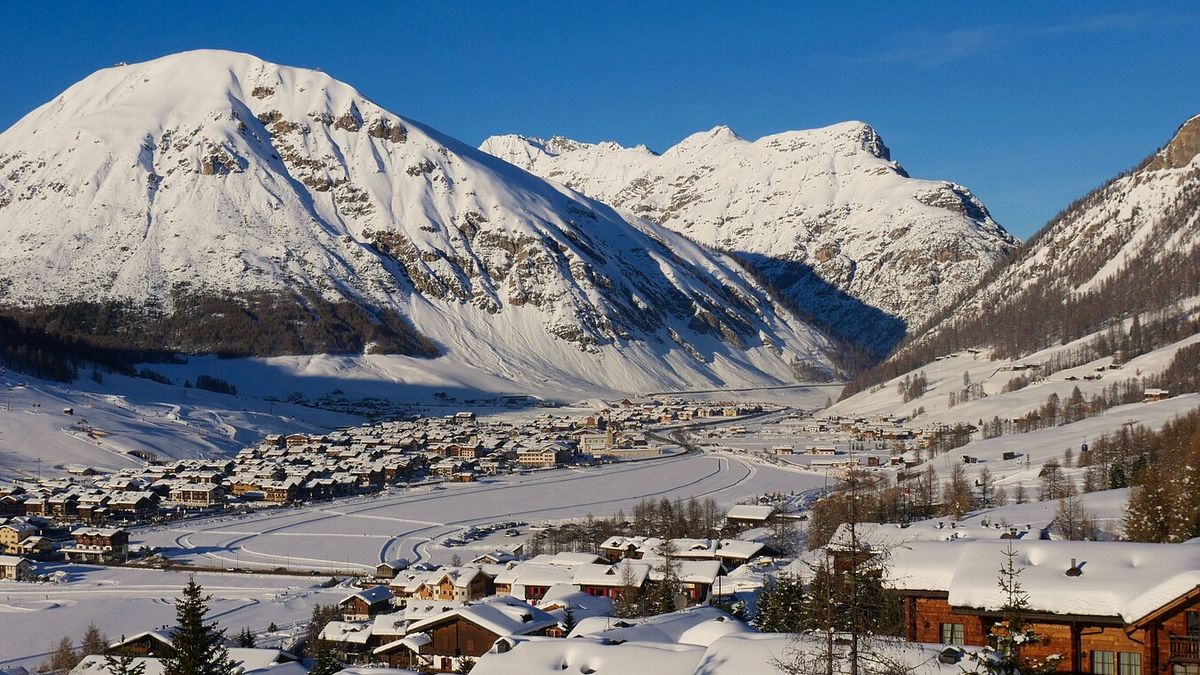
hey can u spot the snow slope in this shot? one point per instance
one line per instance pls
(213, 173)
(823, 213)
(125, 415)
(1127, 234)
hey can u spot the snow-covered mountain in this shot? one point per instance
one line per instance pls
(1129, 249)
(824, 214)
(207, 178)
(1130, 245)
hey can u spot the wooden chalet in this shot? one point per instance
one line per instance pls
(1108, 608)
(366, 603)
(440, 643)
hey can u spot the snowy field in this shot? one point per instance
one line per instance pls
(133, 414)
(946, 376)
(126, 601)
(357, 534)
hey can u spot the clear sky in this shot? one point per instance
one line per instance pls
(1030, 105)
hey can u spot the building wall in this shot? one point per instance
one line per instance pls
(930, 613)
(461, 638)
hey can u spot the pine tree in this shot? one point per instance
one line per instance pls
(93, 641)
(627, 604)
(668, 586)
(568, 618)
(124, 663)
(325, 660)
(198, 645)
(245, 638)
(1011, 634)
(781, 606)
(320, 617)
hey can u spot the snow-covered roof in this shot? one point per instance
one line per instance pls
(97, 665)
(372, 595)
(750, 512)
(1123, 579)
(532, 655)
(253, 658)
(501, 615)
(887, 536)
(354, 632)
(669, 628)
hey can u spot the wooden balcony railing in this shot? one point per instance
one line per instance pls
(1185, 647)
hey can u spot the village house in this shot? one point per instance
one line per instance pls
(366, 603)
(151, 643)
(15, 568)
(388, 569)
(742, 516)
(197, 494)
(98, 546)
(13, 533)
(442, 642)
(1109, 608)
(540, 457)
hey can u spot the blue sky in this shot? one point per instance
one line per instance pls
(1028, 105)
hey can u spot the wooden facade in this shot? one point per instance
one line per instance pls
(1167, 641)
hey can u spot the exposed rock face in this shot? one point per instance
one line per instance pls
(825, 214)
(226, 176)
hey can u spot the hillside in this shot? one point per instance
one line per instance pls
(210, 202)
(825, 215)
(1127, 250)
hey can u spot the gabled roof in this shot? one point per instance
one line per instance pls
(750, 512)
(500, 615)
(371, 596)
(689, 626)
(1119, 579)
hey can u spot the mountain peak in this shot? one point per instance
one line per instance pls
(216, 183)
(823, 213)
(1182, 149)
(717, 136)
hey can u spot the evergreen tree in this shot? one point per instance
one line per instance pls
(668, 586)
(1011, 634)
(320, 617)
(245, 638)
(124, 663)
(568, 618)
(325, 660)
(198, 645)
(781, 606)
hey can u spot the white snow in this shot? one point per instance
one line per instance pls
(830, 199)
(107, 195)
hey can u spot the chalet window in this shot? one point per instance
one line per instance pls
(1104, 663)
(1193, 622)
(953, 634)
(1129, 663)
(1185, 669)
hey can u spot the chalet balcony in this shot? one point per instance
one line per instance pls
(1185, 648)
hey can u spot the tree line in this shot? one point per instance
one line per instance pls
(1048, 310)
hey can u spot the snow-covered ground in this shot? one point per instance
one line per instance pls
(357, 534)
(129, 414)
(124, 601)
(946, 376)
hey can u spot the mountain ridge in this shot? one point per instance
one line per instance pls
(1129, 248)
(217, 174)
(824, 214)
